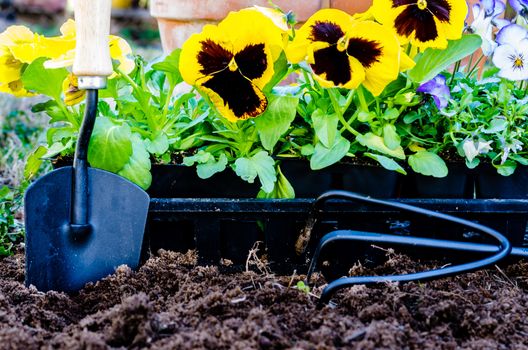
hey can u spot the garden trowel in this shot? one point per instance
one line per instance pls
(82, 222)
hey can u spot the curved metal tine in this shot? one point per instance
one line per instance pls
(371, 237)
(504, 247)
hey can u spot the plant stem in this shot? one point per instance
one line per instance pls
(337, 108)
(68, 115)
(475, 66)
(167, 101)
(128, 79)
(455, 71)
(362, 101)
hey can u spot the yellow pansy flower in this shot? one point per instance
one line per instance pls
(119, 49)
(425, 23)
(70, 88)
(345, 52)
(18, 46)
(232, 62)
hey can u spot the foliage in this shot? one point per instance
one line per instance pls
(11, 230)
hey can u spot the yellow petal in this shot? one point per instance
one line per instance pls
(15, 88)
(190, 68)
(278, 18)
(378, 49)
(459, 11)
(66, 60)
(120, 50)
(10, 68)
(68, 29)
(299, 49)
(406, 62)
(15, 35)
(70, 88)
(249, 26)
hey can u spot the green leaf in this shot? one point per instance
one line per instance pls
(428, 164)
(33, 162)
(171, 66)
(261, 165)
(57, 148)
(51, 108)
(507, 168)
(366, 117)
(282, 189)
(325, 126)
(434, 61)
(387, 163)
(307, 150)
(207, 164)
(159, 145)
(518, 158)
(496, 125)
(110, 145)
(391, 137)
(473, 164)
(377, 143)
(391, 113)
(276, 120)
(324, 156)
(301, 286)
(44, 81)
(137, 169)
(212, 167)
(280, 69)
(201, 157)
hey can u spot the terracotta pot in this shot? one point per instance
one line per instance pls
(178, 19)
(47, 6)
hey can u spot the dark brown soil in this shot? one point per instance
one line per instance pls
(172, 304)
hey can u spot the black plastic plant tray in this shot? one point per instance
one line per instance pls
(228, 228)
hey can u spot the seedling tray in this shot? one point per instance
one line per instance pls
(226, 228)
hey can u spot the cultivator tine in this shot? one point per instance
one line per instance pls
(497, 252)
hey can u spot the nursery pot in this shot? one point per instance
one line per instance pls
(490, 184)
(457, 184)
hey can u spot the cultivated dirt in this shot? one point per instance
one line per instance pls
(171, 303)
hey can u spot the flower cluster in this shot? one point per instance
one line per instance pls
(19, 47)
(403, 85)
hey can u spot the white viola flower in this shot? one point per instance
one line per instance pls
(485, 16)
(513, 146)
(511, 56)
(474, 148)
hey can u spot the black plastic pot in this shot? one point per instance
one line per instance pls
(457, 184)
(180, 181)
(490, 184)
(366, 179)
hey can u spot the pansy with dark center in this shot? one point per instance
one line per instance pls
(232, 62)
(345, 52)
(426, 23)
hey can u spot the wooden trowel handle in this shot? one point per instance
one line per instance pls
(92, 62)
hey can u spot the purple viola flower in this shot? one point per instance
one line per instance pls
(520, 6)
(438, 89)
